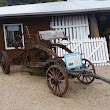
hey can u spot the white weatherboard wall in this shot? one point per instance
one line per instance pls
(77, 28)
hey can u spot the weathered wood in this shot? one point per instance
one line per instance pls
(34, 70)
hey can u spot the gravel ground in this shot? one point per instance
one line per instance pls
(22, 91)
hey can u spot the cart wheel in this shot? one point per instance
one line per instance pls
(4, 62)
(87, 79)
(57, 80)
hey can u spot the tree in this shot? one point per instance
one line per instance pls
(19, 2)
(3, 2)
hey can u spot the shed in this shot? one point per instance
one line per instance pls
(95, 15)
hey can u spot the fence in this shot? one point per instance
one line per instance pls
(94, 50)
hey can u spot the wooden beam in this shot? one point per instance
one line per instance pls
(94, 31)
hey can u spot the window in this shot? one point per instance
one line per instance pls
(11, 31)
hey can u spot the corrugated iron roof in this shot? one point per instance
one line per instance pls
(54, 8)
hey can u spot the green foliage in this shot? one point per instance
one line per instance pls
(19, 2)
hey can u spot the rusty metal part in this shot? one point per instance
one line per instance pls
(49, 51)
(62, 47)
(57, 80)
(4, 62)
(83, 78)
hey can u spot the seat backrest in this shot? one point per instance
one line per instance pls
(51, 34)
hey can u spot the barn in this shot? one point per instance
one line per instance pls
(85, 22)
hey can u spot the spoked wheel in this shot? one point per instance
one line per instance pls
(57, 80)
(87, 79)
(4, 62)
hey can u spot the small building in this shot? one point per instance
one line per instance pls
(78, 19)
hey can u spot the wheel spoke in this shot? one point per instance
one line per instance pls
(53, 87)
(50, 75)
(62, 86)
(89, 78)
(54, 73)
(59, 88)
(83, 78)
(59, 74)
(86, 79)
(61, 77)
(62, 83)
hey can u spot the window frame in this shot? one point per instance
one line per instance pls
(4, 25)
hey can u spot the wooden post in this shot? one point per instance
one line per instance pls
(94, 31)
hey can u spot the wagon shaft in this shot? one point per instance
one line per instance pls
(101, 78)
(97, 77)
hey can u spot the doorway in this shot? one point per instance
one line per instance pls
(103, 20)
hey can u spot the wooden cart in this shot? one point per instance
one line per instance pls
(43, 54)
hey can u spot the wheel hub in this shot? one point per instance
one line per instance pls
(55, 81)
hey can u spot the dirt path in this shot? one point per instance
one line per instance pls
(21, 91)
